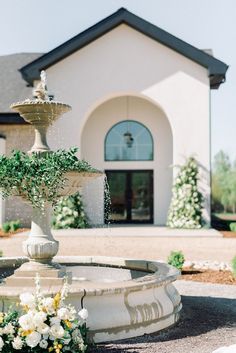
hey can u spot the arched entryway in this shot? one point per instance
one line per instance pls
(131, 191)
(140, 157)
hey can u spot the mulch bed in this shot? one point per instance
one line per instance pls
(228, 234)
(9, 234)
(210, 276)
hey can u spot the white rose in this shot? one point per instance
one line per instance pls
(57, 331)
(33, 339)
(39, 318)
(63, 314)
(1, 343)
(17, 343)
(83, 314)
(43, 329)
(43, 344)
(55, 321)
(27, 299)
(26, 321)
(9, 329)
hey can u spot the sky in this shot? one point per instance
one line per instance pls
(40, 26)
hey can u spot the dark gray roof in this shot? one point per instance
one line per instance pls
(12, 86)
(216, 68)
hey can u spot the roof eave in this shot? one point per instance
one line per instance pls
(11, 119)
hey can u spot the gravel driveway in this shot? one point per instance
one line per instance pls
(208, 321)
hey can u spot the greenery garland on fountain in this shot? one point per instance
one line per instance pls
(186, 205)
(38, 177)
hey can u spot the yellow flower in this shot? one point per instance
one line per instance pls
(57, 347)
(1, 317)
(56, 301)
(50, 349)
(68, 323)
(26, 333)
(25, 308)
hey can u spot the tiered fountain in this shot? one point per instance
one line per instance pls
(124, 297)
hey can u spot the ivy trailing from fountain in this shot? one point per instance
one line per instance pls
(39, 177)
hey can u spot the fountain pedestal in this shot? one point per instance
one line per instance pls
(40, 248)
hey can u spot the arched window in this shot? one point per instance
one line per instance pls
(128, 141)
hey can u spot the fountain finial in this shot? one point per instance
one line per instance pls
(41, 92)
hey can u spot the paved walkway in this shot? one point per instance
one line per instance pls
(136, 242)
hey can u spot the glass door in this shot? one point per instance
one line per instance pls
(131, 193)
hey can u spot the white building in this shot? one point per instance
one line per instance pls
(141, 104)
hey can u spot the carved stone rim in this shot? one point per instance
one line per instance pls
(29, 102)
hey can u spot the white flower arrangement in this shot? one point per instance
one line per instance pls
(44, 324)
(69, 213)
(186, 205)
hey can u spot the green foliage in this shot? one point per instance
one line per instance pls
(234, 266)
(11, 226)
(6, 227)
(176, 259)
(186, 205)
(69, 213)
(224, 183)
(38, 177)
(232, 226)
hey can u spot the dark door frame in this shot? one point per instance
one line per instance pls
(128, 196)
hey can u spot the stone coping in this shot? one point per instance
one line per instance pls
(158, 274)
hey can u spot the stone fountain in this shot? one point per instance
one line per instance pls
(125, 298)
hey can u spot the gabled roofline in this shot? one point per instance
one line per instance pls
(216, 68)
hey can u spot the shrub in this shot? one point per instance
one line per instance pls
(11, 226)
(234, 266)
(6, 227)
(232, 226)
(69, 213)
(176, 259)
(186, 205)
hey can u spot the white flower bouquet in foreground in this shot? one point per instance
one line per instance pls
(44, 324)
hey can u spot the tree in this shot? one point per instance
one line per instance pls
(186, 205)
(223, 177)
(232, 189)
(221, 163)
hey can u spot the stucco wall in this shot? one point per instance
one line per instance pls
(125, 62)
(113, 111)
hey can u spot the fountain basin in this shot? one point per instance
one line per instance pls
(124, 297)
(40, 112)
(74, 182)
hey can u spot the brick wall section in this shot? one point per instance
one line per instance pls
(18, 137)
